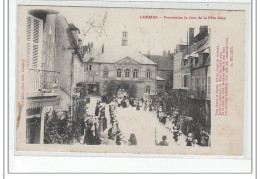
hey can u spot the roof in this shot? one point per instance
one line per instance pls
(163, 62)
(113, 54)
(200, 36)
(206, 45)
(159, 78)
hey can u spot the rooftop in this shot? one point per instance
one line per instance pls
(163, 62)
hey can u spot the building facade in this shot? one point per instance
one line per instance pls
(48, 36)
(120, 63)
(164, 69)
(178, 55)
(193, 87)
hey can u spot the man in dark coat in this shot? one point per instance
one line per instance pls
(97, 109)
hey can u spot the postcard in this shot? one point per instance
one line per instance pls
(130, 80)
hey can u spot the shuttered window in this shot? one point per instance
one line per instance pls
(34, 30)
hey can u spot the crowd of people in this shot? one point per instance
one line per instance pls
(98, 132)
(174, 120)
(179, 124)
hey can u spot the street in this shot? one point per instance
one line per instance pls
(144, 124)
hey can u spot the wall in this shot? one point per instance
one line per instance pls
(142, 82)
(78, 71)
(177, 70)
(48, 48)
(168, 76)
(63, 62)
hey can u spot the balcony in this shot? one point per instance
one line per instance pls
(42, 83)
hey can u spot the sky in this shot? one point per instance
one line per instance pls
(154, 35)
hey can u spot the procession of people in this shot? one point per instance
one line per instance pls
(101, 131)
(98, 131)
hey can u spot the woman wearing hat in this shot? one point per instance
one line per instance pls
(189, 140)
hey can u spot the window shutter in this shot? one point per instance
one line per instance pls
(34, 30)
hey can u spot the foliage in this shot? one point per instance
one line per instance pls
(113, 86)
(80, 114)
(59, 129)
(53, 128)
(82, 88)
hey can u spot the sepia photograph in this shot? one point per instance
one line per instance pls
(121, 80)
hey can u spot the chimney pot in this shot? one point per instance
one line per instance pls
(191, 35)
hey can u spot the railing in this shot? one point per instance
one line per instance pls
(42, 81)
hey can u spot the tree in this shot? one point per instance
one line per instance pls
(82, 89)
(80, 114)
(113, 86)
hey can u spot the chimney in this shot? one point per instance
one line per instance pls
(148, 54)
(103, 48)
(191, 35)
(204, 29)
(124, 38)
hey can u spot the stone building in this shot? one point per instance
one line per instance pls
(193, 87)
(120, 63)
(164, 69)
(49, 48)
(179, 53)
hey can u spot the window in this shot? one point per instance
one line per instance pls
(198, 83)
(118, 73)
(148, 74)
(209, 84)
(135, 73)
(148, 89)
(203, 84)
(90, 67)
(185, 80)
(105, 72)
(127, 71)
